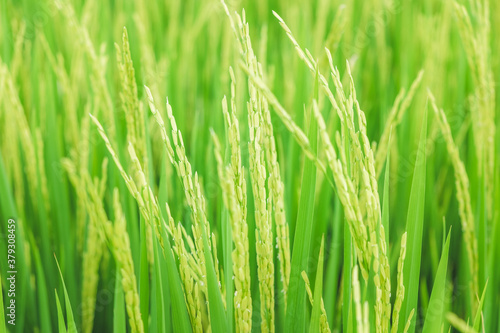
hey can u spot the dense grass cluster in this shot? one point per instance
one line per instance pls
(250, 166)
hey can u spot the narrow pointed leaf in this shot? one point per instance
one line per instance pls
(437, 302)
(414, 227)
(296, 302)
(69, 311)
(60, 317)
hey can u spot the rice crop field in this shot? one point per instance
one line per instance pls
(249, 166)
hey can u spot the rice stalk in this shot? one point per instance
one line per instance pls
(363, 175)
(335, 33)
(10, 142)
(70, 92)
(400, 290)
(476, 40)
(149, 208)
(120, 244)
(195, 199)
(257, 108)
(324, 326)
(91, 195)
(18, 49)
(235, 199)
(263, 232)
(190, 271)
(98, 78)
(148, 205)
(276, 192)
(401, 104)
(134, 114)
(459, 324)
(463, 195)
(311, 64)
(408, 322)
(24, 134)
(261, 137)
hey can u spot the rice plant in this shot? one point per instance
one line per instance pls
(249, 166)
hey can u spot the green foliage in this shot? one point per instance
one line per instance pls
(156, 229)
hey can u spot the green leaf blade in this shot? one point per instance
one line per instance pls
(296, 302)
(414, 227)
(437, 302)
